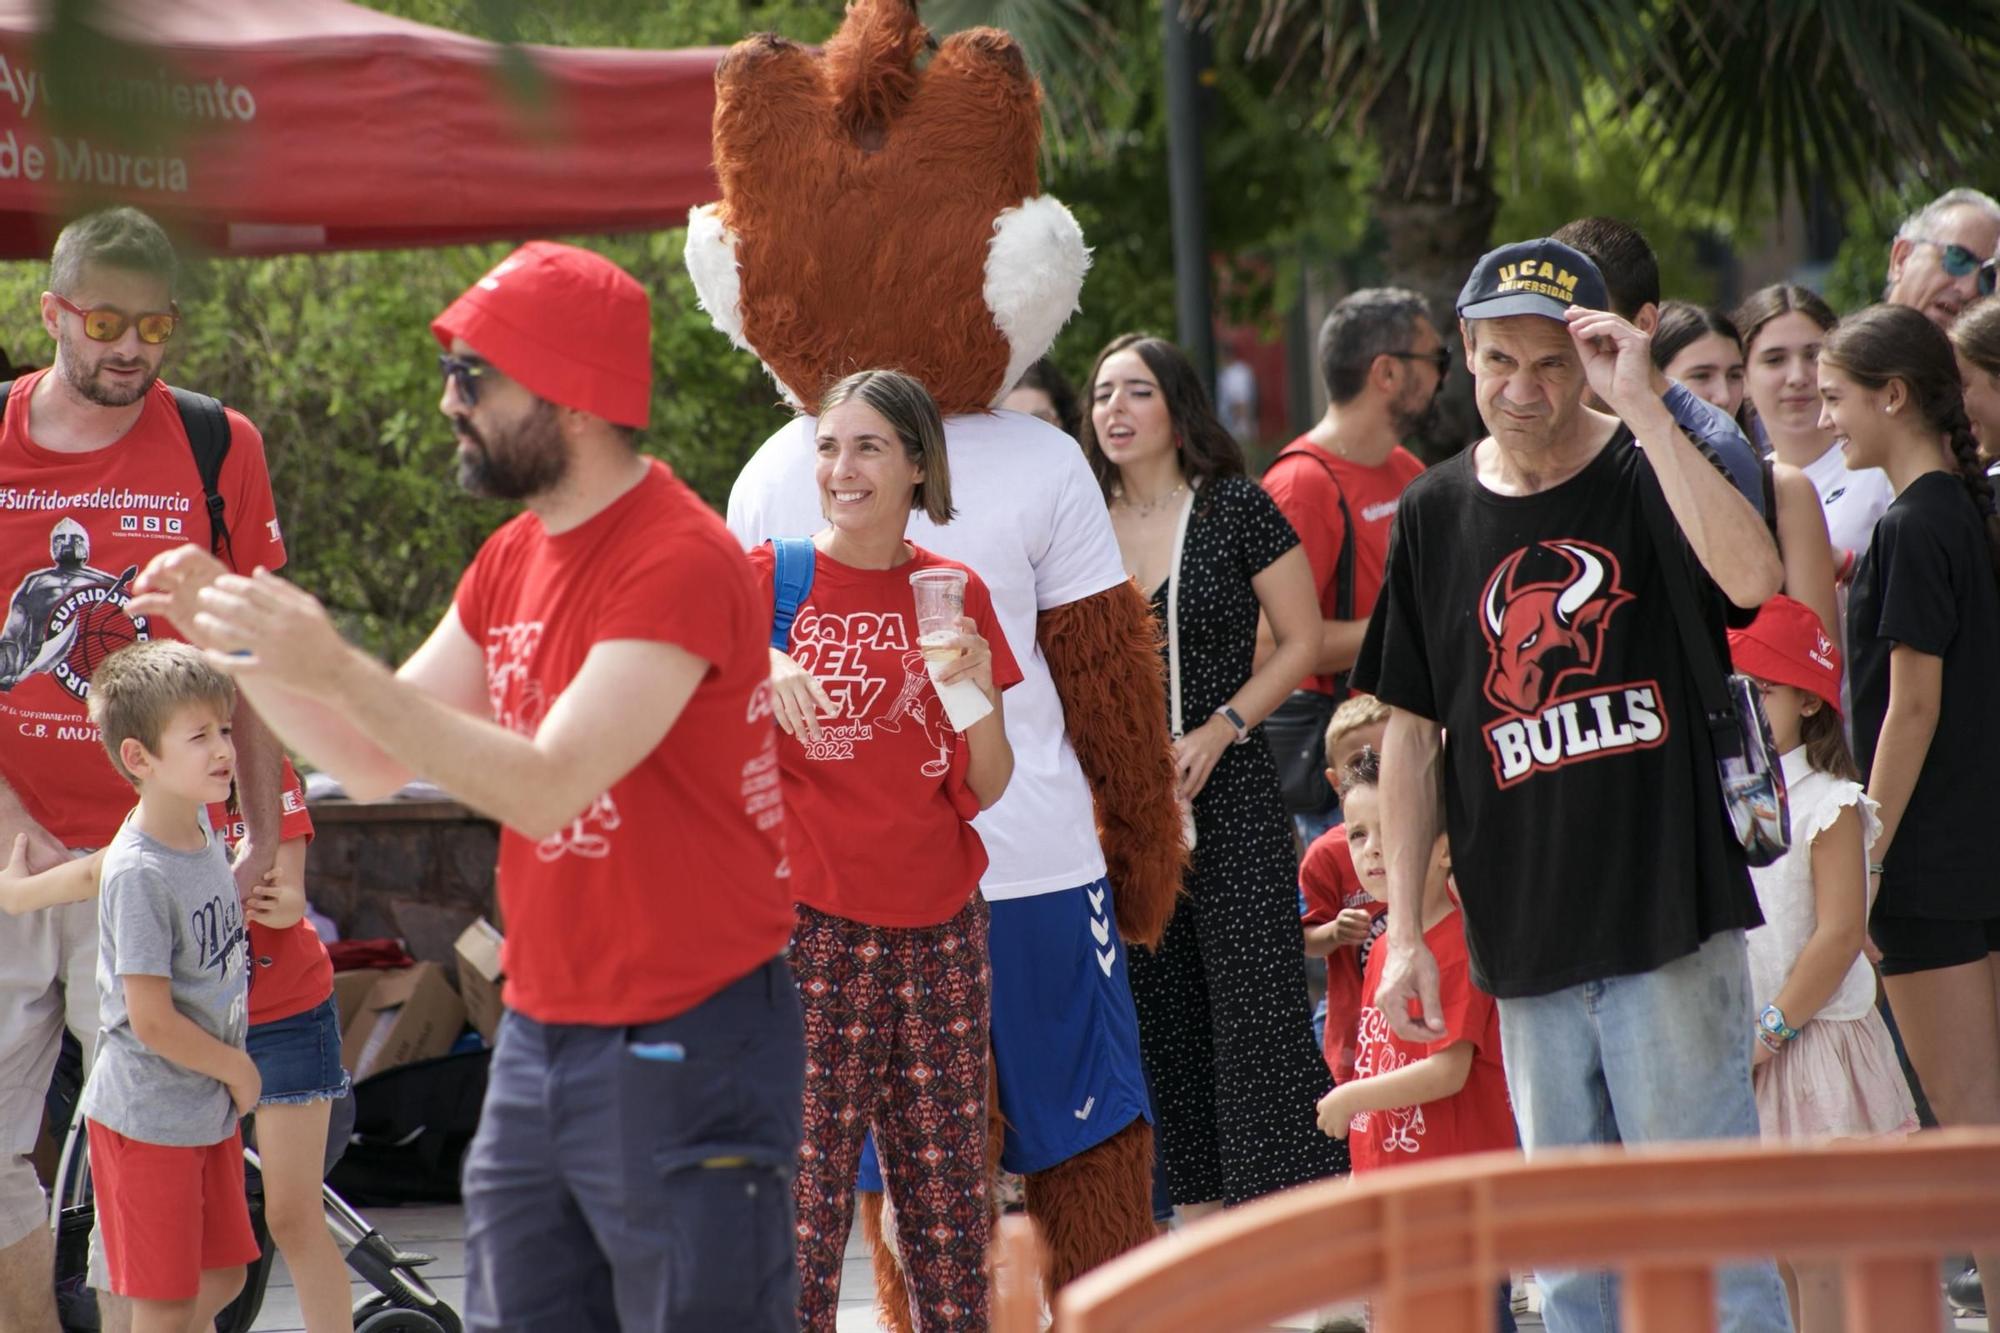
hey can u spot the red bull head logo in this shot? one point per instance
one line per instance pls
(1540, 634)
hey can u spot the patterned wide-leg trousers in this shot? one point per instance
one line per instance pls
(896, 1025)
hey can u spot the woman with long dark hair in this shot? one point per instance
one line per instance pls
(1924, 652)
(1223, 1022)
(1702, 349)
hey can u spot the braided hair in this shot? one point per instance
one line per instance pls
(1892, 342)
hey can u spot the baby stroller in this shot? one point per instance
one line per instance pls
(402, 1301)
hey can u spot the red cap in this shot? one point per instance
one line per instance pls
(1787, 645)
(568, 325)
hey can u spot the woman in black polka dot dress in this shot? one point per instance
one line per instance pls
(1224, 1023)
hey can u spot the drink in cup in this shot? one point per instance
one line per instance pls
(940, 602)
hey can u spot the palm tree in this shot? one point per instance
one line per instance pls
(1753, 99)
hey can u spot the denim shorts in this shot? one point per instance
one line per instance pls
(299, 1057)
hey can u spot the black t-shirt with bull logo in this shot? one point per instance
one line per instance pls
(1587, 827)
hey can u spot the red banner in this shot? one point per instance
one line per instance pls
(304, 125)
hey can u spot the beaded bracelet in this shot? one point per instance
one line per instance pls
(1770, 1043)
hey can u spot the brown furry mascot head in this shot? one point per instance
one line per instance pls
(880, 211)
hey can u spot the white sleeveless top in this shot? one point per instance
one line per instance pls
(1785, 892)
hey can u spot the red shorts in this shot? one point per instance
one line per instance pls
(165, 1214)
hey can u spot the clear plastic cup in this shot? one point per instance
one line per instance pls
(940, 602)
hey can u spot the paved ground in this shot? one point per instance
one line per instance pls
(440, 1231)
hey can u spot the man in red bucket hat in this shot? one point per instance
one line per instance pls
(599, 687)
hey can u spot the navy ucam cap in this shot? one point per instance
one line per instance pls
(1532, 278)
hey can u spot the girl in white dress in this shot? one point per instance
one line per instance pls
(1824, 1064)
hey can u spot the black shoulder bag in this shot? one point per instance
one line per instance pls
(1296, 729)
(1746, 761)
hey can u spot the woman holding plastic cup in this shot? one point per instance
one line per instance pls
(888, 687)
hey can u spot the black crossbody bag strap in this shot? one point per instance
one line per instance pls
(1343, 565)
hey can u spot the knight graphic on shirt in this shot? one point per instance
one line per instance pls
(49, 612)
(1545, 634)
(75, 528)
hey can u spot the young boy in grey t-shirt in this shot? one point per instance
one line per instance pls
(171, 1077)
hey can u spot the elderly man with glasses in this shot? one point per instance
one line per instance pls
(1942, 259)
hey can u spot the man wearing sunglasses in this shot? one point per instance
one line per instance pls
(600, 686)
(1942, 259)
(1382, 363)
(97, 475)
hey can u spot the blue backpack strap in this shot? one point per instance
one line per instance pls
(792, 582)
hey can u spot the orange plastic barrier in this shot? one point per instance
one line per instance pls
(1426, 1244)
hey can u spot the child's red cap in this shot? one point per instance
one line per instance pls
(1787, 645)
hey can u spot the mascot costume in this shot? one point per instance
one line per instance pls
(875, 214)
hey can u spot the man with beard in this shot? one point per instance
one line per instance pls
(1382, 362)
(601, 688)
(95, 464)
(1943, 259)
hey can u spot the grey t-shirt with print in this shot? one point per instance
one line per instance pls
(167, 913)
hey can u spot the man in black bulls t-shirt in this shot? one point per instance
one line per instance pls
(1542, 702)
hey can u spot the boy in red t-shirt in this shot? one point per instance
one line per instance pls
(1341, 920)
(1409, 1102)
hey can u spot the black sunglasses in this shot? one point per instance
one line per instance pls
(465, 374)
(1440, 358)
(1957, 261)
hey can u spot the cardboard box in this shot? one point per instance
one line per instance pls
(350, 990)
(479, 976)
(409, 1014)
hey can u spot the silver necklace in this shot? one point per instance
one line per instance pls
(1150, 507)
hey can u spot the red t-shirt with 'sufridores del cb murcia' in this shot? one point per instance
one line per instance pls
(290, 971)
(671, 884)
(878, 809)
(75, 529)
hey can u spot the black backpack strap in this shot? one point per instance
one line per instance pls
(1343, 566)
(207, 427)
(1771, 499)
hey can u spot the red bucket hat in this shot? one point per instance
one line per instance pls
(568, 325)
(1787, 645)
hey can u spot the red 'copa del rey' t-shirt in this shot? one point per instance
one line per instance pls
(1478, 1117)
(75, 529)
(290, 971)
(879, 812)
(671, 884)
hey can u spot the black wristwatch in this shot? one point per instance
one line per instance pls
(1234, 719)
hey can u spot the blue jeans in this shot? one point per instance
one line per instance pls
(1652, 1058)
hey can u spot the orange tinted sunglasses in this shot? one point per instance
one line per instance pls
(107, 324)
